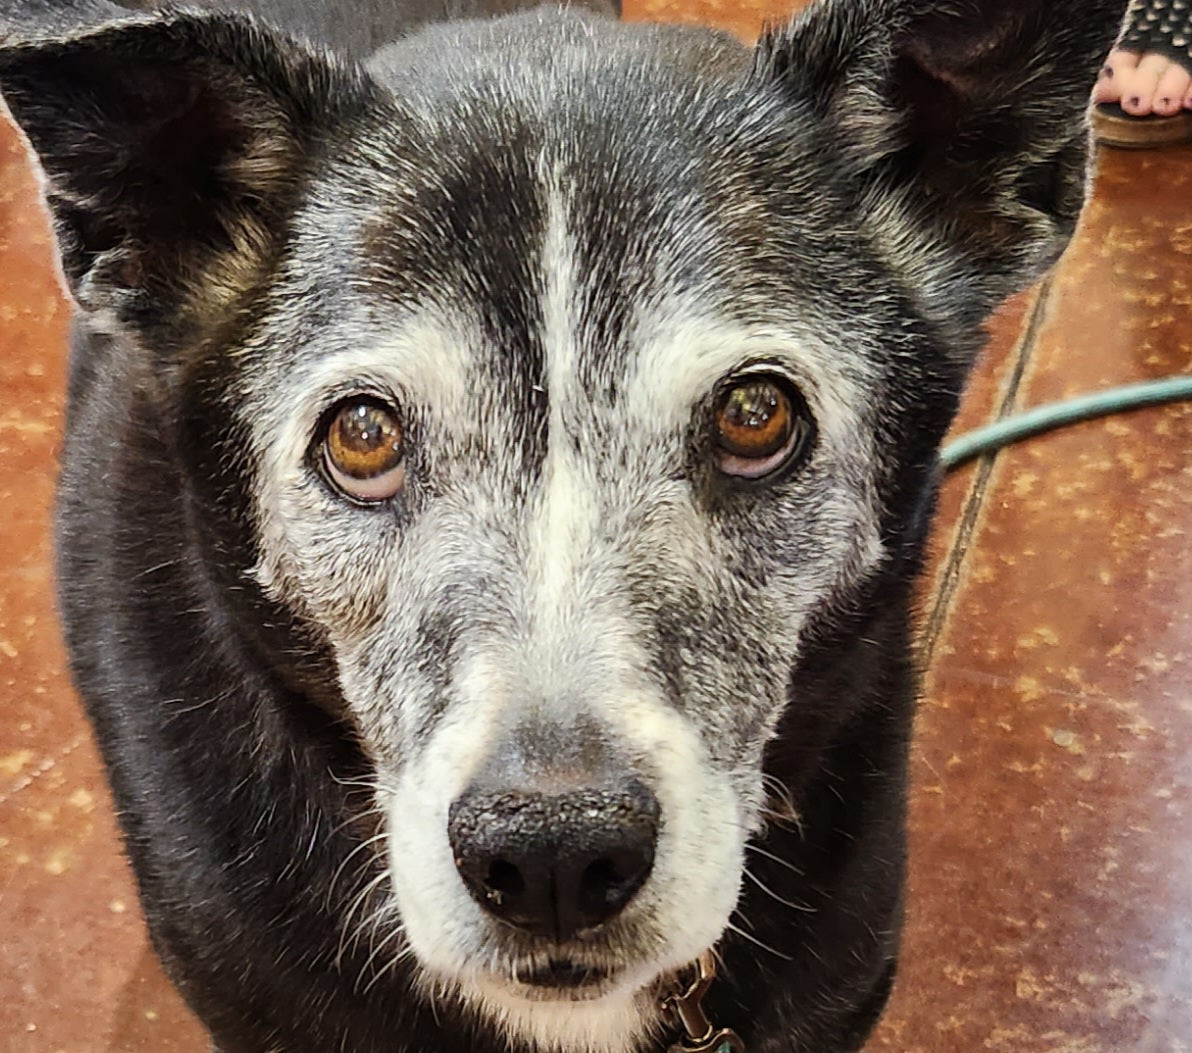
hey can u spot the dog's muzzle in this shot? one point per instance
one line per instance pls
(554, 837)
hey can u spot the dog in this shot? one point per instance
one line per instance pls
(497, 467)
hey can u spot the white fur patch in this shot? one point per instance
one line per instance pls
(576, 654)
(561, 527)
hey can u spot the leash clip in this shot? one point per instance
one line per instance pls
(688, 1012)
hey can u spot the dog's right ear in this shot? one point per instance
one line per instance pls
(172, 147)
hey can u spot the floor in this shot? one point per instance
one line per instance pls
(1050, 901)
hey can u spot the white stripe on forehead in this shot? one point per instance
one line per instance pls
(560, 529)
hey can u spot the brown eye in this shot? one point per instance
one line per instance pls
(760, 423)
(363, 450)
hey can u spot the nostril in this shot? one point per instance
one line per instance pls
(504, 880)
(609, 882)
(599, 886)
(601, 875)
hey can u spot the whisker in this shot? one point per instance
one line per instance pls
(780, 806)
(348, 858)
(396, 933)
(753, 939)
(804, 907)
(754, 847)
(438, 990)
(389, 966)
(350, 937)
(360, 816)
(371, 782)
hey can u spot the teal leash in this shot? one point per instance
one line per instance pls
(1001, 433)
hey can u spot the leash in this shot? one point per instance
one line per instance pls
(686, 1011)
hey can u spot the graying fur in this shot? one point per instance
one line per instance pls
(547, 239)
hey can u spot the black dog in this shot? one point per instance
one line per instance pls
(495, 475)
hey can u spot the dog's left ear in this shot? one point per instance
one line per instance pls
(963, 122)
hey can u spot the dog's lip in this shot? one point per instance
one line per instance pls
(563, 974)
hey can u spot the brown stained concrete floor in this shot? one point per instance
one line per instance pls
(1050, 900)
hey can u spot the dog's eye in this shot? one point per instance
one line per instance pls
(761, 423)
(363, 451)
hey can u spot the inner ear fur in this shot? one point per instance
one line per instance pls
(173, 148)
(963, 121)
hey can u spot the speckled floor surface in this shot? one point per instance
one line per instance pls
(1050, 906)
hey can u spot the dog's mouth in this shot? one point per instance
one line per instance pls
(563, 973)
(562, 978)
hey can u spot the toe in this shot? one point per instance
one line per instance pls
(1122, 61)
(1138, 86)
(1171, 89)
(1108, 87)
(1183, 88)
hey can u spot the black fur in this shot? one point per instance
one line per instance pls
(912, 164)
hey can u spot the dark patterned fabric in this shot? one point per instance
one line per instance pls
(1161, 26)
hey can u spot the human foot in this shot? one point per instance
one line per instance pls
(1145, 84)
(1144, 93)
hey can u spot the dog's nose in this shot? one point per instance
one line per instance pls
(554, 864)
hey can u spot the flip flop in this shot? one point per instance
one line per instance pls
(1162, 27)
(1113, 126)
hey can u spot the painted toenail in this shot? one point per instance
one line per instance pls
(1107, 71)
(1135, 100)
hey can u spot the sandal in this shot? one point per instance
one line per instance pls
(1162, 27)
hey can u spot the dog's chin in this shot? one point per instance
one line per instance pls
(563, 1006)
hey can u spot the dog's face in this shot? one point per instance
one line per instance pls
(563, 505)
(557, 404)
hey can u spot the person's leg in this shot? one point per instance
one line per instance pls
(356, 27)
(359, 27)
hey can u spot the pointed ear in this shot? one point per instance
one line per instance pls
(964, 124)
(172, 148)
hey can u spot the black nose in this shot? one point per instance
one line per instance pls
(554, 864)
